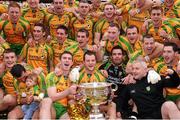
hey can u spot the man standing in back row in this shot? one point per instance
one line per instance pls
(16, 28)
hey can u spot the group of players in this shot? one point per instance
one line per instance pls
(46, 52)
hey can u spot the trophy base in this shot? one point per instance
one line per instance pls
(99, 116)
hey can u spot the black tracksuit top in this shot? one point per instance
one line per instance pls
(147, 97)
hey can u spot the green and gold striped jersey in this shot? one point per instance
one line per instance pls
(38, 56)
(34, 16)
(88, 24)
(15, 33)
(3, 47)
(124, 44)
(102, 25)
(53, 21)
(175, 23)
(153, 63)
(96, 76)
(58, 48)
(155, 31)
(173, 11)
(77, 52)
(60, 82)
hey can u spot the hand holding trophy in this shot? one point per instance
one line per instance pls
(97, 93)
(89, 97)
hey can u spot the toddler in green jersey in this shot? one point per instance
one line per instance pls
(32, 88)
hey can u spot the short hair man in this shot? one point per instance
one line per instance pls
(16, 28)
(7, 88)
(41, 54)
(82, 46)
(60, 42)
(58, 89)
(148, 48)
(89, 73)
(149, 97)
(171, 59)
(161, 30)
(20, 73)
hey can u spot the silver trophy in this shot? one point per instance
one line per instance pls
(97, 93)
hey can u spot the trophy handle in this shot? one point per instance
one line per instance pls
(80, 95)
(115, 87)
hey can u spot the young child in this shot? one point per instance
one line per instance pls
(32, 88)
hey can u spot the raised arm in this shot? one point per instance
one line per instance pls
(171, 80)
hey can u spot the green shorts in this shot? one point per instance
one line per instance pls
(172, 97)
(60, 109)
(16, 48)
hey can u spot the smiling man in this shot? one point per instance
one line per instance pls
(86, 21)
(149, 97)
(7, 89)
(16, 28)
(60, 43)
(148, 47)
(88, 74)
(157, 26)
(57, 16)
(102, 24)
(58, 88)
(170, 59)
(33, 14)
(41, 54)
(82, 46)
(115, 68)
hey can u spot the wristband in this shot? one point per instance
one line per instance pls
(147, 58)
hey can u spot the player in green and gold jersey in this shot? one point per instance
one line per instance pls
(41, 54)
(20, 73)
(161, 32)
(60, 43)
(58, 88)
(171, 10)
(169, 60)
(57, 16)
(6, 80)
(85, 22)
(78, 49)
(89, 73)
(102, 24)
(148, 47)
(33, 14)
(15, 29)
(3, 46)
